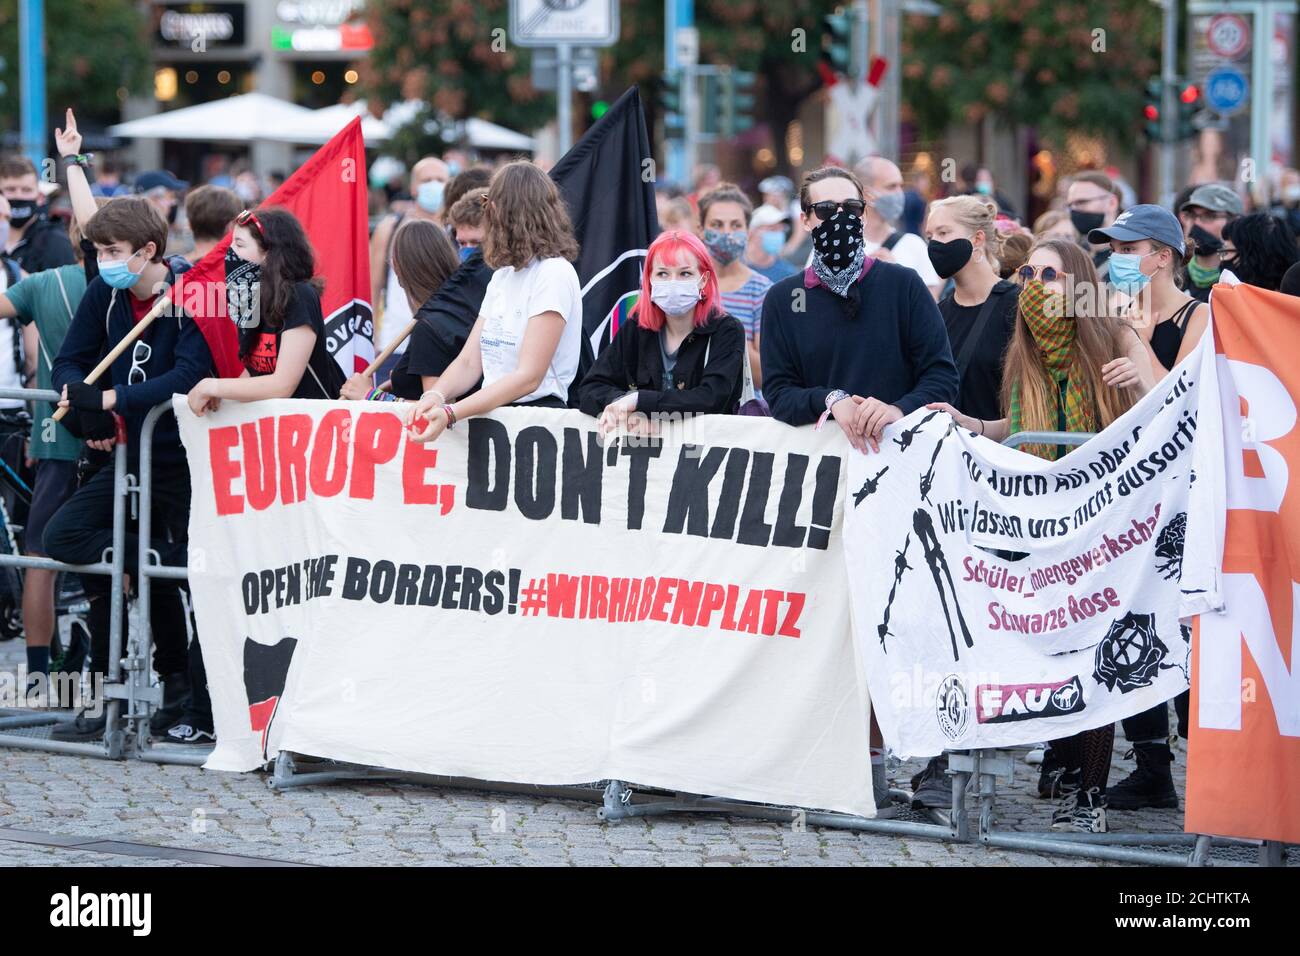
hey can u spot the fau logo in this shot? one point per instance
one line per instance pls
(1002, 703)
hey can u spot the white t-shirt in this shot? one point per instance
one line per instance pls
(10, 374)
(910, 251)
(512, 298)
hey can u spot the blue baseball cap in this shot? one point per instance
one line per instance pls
(156, 178)
(1144, 221)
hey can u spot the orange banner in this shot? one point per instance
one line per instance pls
(1243, 776)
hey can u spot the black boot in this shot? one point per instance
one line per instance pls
(176, 695)
(85, 728)
(1151, 784)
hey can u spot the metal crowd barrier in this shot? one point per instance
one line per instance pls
(111, 563)
(987, 766)
(973, 773)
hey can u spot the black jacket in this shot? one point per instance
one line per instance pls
(632, 362)
(178, 358)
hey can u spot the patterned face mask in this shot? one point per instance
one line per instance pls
(725, 247)
(1052, 329)
(243, 289)
(838, 252)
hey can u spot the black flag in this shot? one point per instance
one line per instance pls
(607, 181)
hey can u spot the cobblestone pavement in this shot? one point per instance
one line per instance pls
(51, 798)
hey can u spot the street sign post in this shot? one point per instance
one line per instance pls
(563, 25)
(563, 22)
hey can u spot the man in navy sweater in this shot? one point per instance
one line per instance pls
(171, 356)
(855, 338)
(858, 338)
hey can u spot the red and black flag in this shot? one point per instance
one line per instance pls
(328, 195)
(266, 670)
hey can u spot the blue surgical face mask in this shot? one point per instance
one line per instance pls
(1125, 269)
(117, 272)
(773, 242)
(429, 195)
(453, 168)
(467, 251)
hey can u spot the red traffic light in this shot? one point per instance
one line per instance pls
(1190, 94)
(1151, 113)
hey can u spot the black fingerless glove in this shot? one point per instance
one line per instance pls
(86, 397)
(90, 426)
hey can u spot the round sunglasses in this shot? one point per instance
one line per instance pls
(1046, 273)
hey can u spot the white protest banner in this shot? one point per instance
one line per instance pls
(518, 603)
(1073, 624)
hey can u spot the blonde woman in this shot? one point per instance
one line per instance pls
(980, 312)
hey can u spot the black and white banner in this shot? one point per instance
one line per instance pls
(1001, 599)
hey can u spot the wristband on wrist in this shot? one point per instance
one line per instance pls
(837, 395)
(79, 159)
(451, 416)
(442, 399)
(981, 421)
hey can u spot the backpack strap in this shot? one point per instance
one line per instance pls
(981, 321)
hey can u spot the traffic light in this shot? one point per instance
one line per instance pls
(1151, 111)
(740, 101)
(1189, 105)
(672, 98)
(837, 41)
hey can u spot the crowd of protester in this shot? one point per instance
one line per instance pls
(952, 304)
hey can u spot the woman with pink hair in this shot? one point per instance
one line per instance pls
(683, 354)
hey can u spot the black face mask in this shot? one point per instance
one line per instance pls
(1086, 222)
(21, 212)
(1231, 264)
(949, 258)
(1205, 242)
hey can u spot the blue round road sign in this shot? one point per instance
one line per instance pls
(1226, 90)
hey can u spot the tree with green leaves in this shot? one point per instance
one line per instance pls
(1059, 66)
(94, 49)
(455, 55)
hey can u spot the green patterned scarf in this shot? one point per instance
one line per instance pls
(1054, 333)
(1202, 277)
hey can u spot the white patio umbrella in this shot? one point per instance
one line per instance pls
(323, 123)
(237, 119)
(473, 132)
(481, 134)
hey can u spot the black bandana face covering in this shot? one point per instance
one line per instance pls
(838, 252)
(243, 286)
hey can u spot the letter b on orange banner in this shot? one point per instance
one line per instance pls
(1244, 751)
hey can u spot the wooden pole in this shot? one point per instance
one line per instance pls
(163, 302)
(389, 349)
